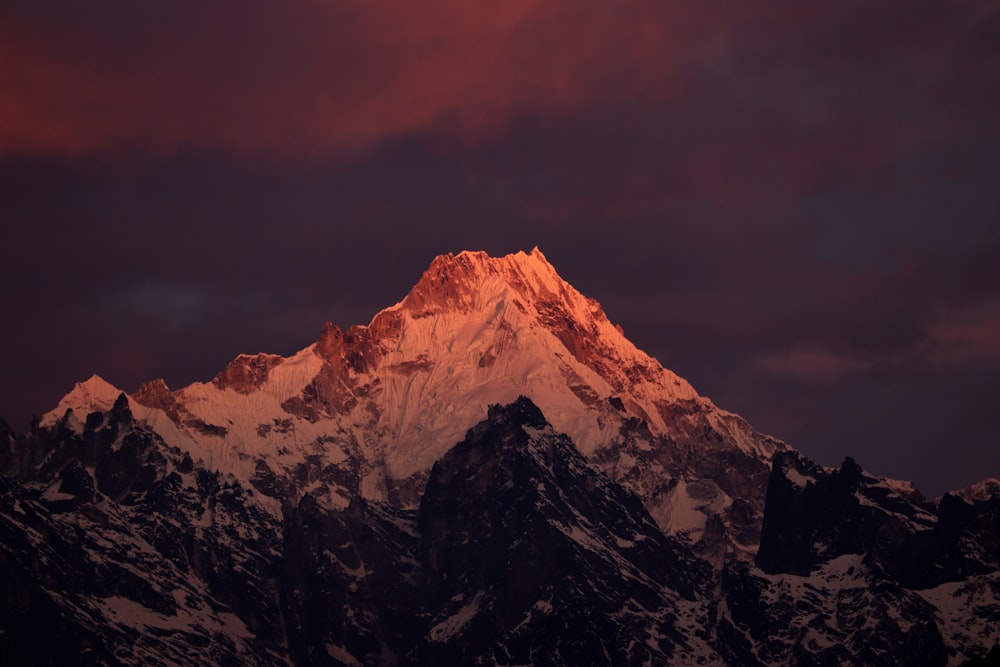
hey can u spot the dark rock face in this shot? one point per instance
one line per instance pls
(127, 558)
(969, 536)
(520, 552)
(7, 440)
(156, 394)
(533, 556)
(350, 583)
(851, 568)
(336, 390)
(813, 515)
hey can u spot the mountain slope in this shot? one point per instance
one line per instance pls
(534, 556)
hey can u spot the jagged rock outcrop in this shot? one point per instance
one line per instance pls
(855, 569)
(533, 556)
(814, 515)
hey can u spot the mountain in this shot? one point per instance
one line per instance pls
(488, 473)
(391, 397)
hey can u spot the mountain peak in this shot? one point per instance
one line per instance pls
(94, 393)
(475, 331)
(471, 279)
(475, 282)
(482, 258)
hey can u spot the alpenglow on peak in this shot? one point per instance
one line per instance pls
(394, 395)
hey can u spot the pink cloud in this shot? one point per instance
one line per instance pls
(308, 76)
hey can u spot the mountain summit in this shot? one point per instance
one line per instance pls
(391, 397)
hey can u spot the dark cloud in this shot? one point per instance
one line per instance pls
(793, 205)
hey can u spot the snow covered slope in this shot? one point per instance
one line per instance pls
(387, 400)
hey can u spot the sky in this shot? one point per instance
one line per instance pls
(793, 205)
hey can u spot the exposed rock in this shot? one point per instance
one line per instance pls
(247, 372)
(813, 515)
(156, 394)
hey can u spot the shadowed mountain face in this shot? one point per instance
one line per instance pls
(520, 551)
(815, 515)
(488, 473)
(861, 570)
(536, 555)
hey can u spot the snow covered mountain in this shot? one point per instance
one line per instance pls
(487, 473)
(388, 399)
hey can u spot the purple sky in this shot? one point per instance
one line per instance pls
(795, 206)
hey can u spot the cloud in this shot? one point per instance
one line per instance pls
(964, 337)
(167, 306)
(809, 364)
(308, 76)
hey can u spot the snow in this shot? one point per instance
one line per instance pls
(967, 614)
(97, 395)
(688, 506)
(921, 520)
(798, 479)
(124, 611)
(899, 486)
(736, 428)
(431, 408)
(454, 624)
(982, 490)
(53, 494)
(94, 394)
(428, 410)
(581, 532)
(834, 605)
(843, 572)
(342, 655)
